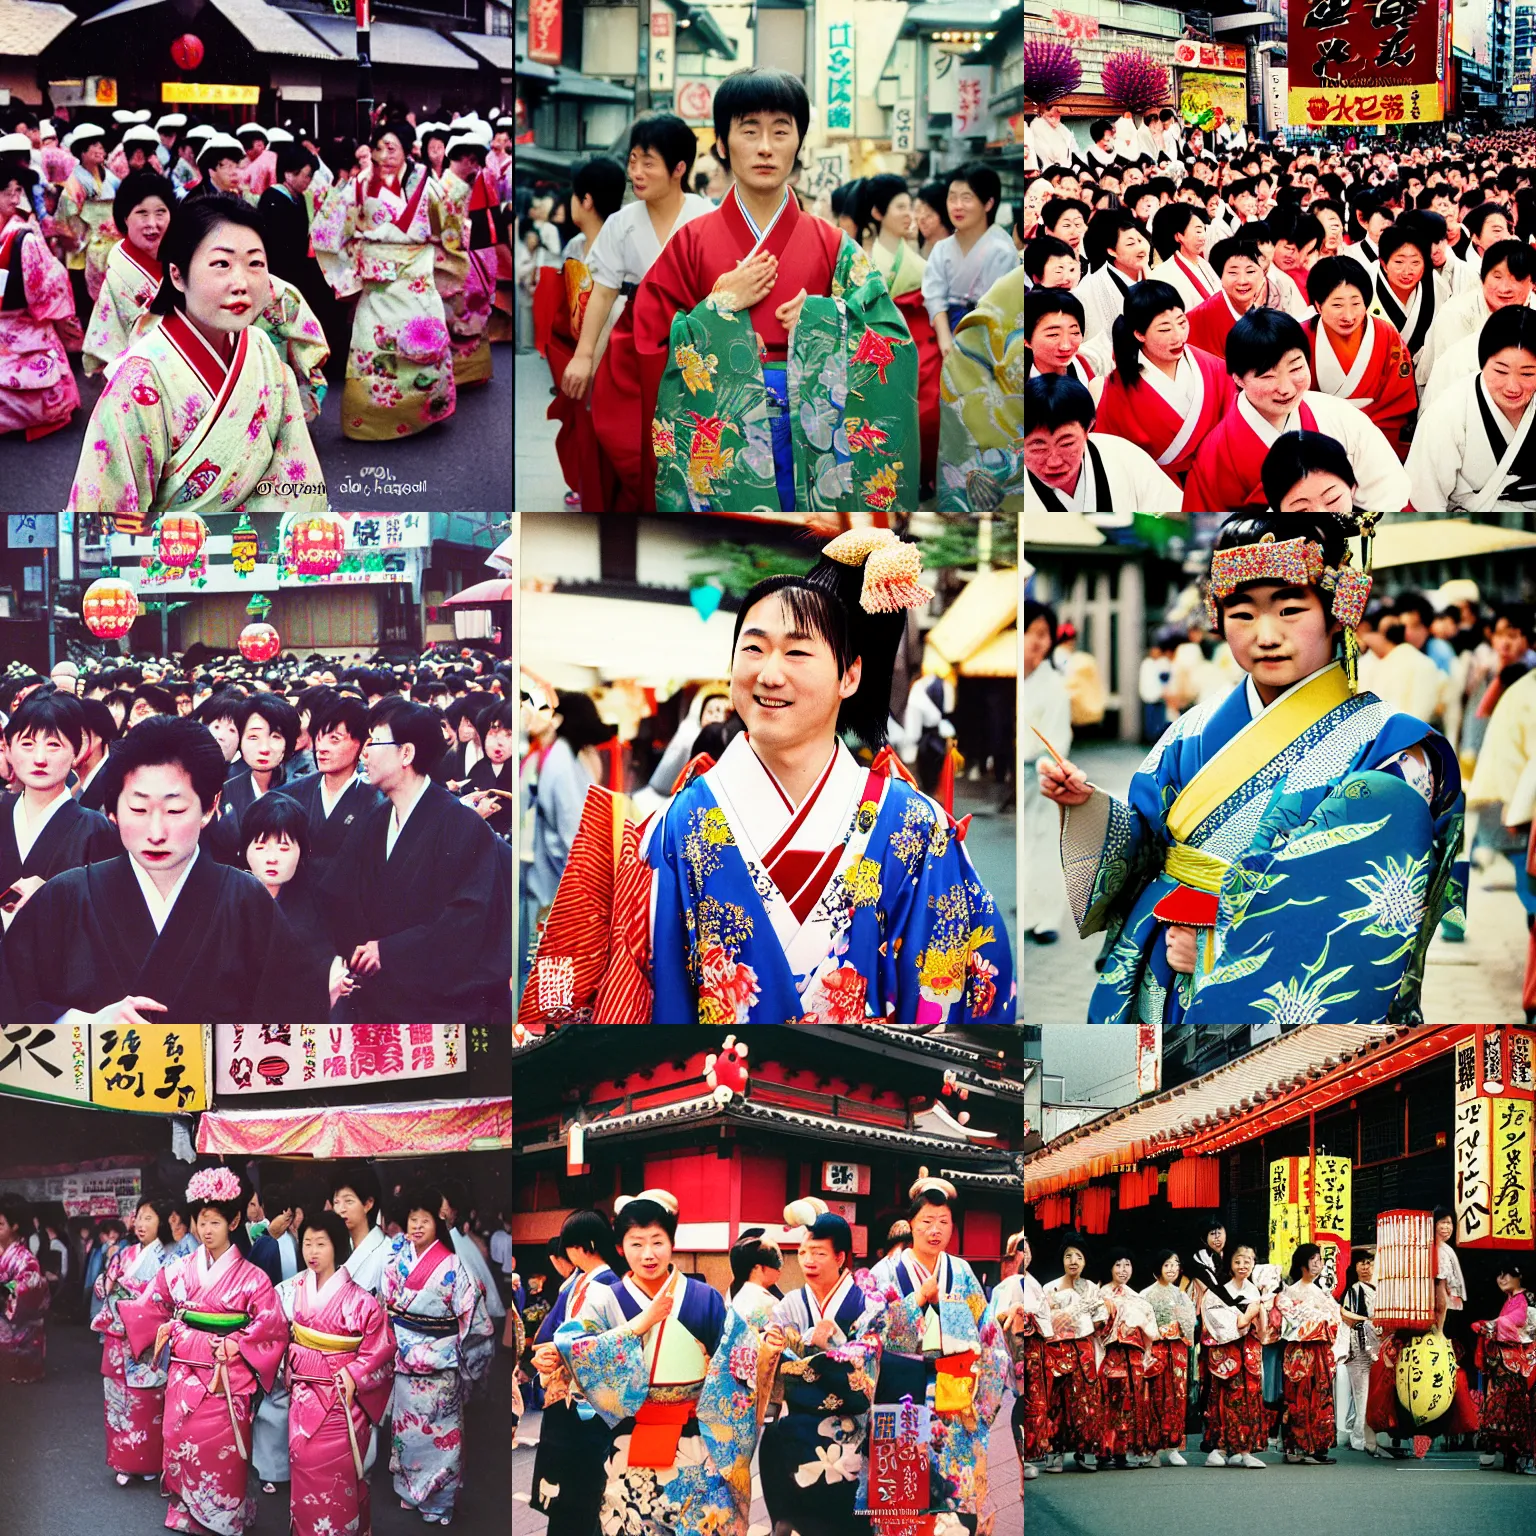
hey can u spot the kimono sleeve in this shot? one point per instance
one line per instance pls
(1383, 484)
(334, 227)
(68, 219)
(374, 1368)
(264, 1340)
(300, 341)
(1109, 849)
(294, 462)
(278, 988)
(142, 1316)
(727, 1409)
(1435, 459)
(27, 1296)
(670, 288)
(107, 336)
(45, 281)
(607, 1364)
(126, 446)
(42, 974)
(673, 987)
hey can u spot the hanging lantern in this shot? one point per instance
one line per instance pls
(313, 543)
(259, 642)
(1426, 1377)
(242, 547)
(109, 608)
(179, 540)
(187, 51)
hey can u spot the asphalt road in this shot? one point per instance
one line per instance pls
(56, 1481)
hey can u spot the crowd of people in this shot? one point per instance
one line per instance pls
(216, 283)
(202, 839)
(637, 305)
(235, 1322)
(1238, 326)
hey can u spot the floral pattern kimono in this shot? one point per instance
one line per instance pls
(444, 1344)
(956, 1335)
(376, 238)
(1127, 1410)
(981, 405)
(1074, 1354)
(1309, 1323)
(812, 1456)
(465, 269)
(179, 430)
(1506, 1355)
(333, 1327)
(134, 1391)
(1167, 1367)
(85, 215)
(24, 1302)
(902, 274)
(209, 1406)
(38, 393)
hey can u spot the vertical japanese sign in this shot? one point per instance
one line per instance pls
(837, 67)
(288, 1058)
(898, 1462)
(45, 1061)
(663, 42)
(1495, 1130)
(904, 124)
(1299, 1214)
(971, 99)
(1149, 1058)
(544, 29)
(153, 1068)
(1365, 63)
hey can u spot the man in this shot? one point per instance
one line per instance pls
(424, 890)
(962, 266)
(1102, 152)
(286, 217)
(269, 732)
(1051, 263)
(733, 285)
(1239, 268)
(501, 1254)
(158, 934)
(149, 699)
(355, 1198)
(1486, 224)
(1404, 676)
(336, 797)
(1050, 140)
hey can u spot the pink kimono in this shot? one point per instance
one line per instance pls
(208, 1434)
(38, 393)
(328, 1495)
(134, 1391)
(24, 1301)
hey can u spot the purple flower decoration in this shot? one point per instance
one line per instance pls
(1135, 81)
(1051, 70)
(423, 339)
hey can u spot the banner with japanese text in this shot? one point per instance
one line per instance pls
(154, 1068)
(1495, 1122)
(46, 1061)
(1299, 1214)
(1365, 63)
(288, 1058)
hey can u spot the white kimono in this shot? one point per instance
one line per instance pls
(1102, 295)
(1196, 280)
(1461, 317)
(952, 278)
(1455, 278)
(626, 246)
(1292, 300)
(1052, 145)
(1457, 468)
(1456, 362)
(366, 1264)
(1132, 483)
(1219, 1320)
(1048, 709)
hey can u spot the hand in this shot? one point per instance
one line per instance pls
(162, 1337)
(750, 283)
(227, 1350)
(774, 1340)
(577, 376)
(945, 341)
(929, 1292)
(1012, 1320)
(1065, 783)
(1181, 949)
(342, 980)
(483, 804)
(788, 313)
(346, 1384)
(821, 1334)
(127, 1010)
(659, 1309)
(546, 1359)
(365, 959)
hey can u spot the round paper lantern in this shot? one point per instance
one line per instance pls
(109, 608)
(259, 642)
(180, 539)
(315, 543)
(1426, 1377)
(187, 51)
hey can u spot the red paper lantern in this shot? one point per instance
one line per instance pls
(259, 642)
(315, 543)
(181, 540)
(109, 608)
(187, 51)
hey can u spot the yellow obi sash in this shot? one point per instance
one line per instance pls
(326, 1343)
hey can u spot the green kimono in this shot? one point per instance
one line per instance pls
(981, 405)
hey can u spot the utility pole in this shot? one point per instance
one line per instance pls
(364, 72)
(48, 602)
(643, 60)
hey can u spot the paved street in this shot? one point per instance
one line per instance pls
(53, 1463)
(992, 841)
(1477, 982)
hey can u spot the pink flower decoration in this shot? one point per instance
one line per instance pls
(214, 1184)
(423, 339)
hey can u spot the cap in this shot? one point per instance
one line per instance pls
(83, 132)
(122, 115)
(46, 130)
(170, 120)
(245, 128)
(202, 131)
(279, 136)
(222, 142)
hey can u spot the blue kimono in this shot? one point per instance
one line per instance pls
(1314, 857)
(859, 903)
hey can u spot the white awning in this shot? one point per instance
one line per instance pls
(392, 42)
(576, 641)
(27, 27)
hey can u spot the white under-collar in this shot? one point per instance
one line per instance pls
(324, 1292)
(219, 1267)
(397, 820)
(160, 906)
(328, 801)
(27, 830)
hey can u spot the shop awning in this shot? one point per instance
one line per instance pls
(571, 82)
(263, 26)
(392, 42)
(999, 657)
(426, 1129)
(1060, 530)
(566, 635)
(986, 610)
(1444, 538)
(496, 51)
(27, 27)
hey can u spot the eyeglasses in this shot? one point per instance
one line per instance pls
(375, 741)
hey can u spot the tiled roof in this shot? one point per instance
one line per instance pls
(986, 1180)
(27, 27)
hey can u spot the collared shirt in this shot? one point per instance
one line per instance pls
(29, 830)
(397, 821)
(160, 906)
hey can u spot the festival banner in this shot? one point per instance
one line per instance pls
(427, 1129)
(1207, 100)
(1510, 1185)
(288, 1058)
(545, 31)
(46, 1061)
(1149, 1058)
(1298, 1214)
(1354, 64)
(1495, 1124)
(152, 1068)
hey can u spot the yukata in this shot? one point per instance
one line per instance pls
(464, 268)
(1378, 378)
(84, 214)
(1126, 1429)
(1031, 1372)
(209, 1406)
(133, 1391)
(1167, 1367)
(333, 1327)
(1236, 1422)
(680, 1401)
(812, 1456)
(376, 238)
(1506, 1355)
(950, 1357)
(1309, 1323)
(981, 405)
(954, 280)
(1474, 460)
(1241, 815)
(24, 1303)
(1074, 1354)
(38, 393)
(444, 1345)
(178, 429)
(902, 273)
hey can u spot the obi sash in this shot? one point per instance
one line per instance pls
(326, 1343)
(433, 1327)
(221, 1324)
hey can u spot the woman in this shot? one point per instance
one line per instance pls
(340, 1369)
(24, 1297)
(1309, 1322)
(930, 212)
(1308, 472)
(201, 412)
(1230, 1337)
(1364, 1345)
(431, 142)
(1079, 1314)
(1117, 248)
(1035, 195)
(1167, 1365)
(134, 1392)
(220, 1315)
(1025, 1316)
(38, 393)
(444, 1344)
(755, 1266)
(1506, 1355)
(1164, 395)
(1404, 286)
(1132, 1332)
(83, 219)
(374, 237)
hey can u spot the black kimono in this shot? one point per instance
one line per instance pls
(225, 955)
(484, 775)
(93, 796)
(441, 908)
(72, 838)
(449, 768)
(328, 833)
(239, 795)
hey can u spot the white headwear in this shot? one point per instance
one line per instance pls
(279, 136)
(46, 130)
(14, 143)
(170, 120)
(662, 1197)
(221, 141)
(141, 133)
(82, 133)
(122, 115)
(202, 131)
(252, 128)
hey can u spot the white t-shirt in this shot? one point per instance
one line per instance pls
(626, 246)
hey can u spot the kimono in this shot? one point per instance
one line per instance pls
(444, 1345)
(859, 904)
(69, 838)
(1073, 1357)
(1309, 1323)
(366, 1265)
(1195, 281)
(85, 215)
(1102, 294)
(179, 429)
(464, 268)
(1379, 379)
(1235, 1418)
(902, 274)
(576, 445)
(1167, 1366)
(683, 1431)
(1127, 1422)
(1115, 478)
(743, 416)
(38, 393)
(1026, 1343)
(333, 1327)
(131, 279)
(133, 1390)
(24, 1303)
(209, 1405)
(1169, 418)
(1229, 465)
(981, 404)
(812, 1457)
(1241, 813)
(1210, 321)
(1412, 320)
(1474, 461)
(375, 238)
(1506, 1355)
(947, 1353)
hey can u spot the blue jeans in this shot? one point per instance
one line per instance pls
(776, 381)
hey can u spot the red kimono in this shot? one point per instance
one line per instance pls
(1143, 416)
(929, 366)
(1379, 378)
(1209, 323)
(1226, 476)
(586, 469)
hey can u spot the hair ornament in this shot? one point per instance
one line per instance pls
(891, 568)
(804, 1212)
(924, 1184)
(662, 1197)
(219, 1184)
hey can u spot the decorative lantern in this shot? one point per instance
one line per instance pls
(242, 547)
(259, 642)
(187, 51)
(109, 608)
(313, 543)
(179, 540)
(1426, 1377)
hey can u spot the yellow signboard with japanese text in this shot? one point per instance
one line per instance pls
(208, 95)
(153, 1068)
(1298, 1216)
(1510, 1184)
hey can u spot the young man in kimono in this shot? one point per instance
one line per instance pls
(776, 370)
(24, 1297)
(962, 266)
(1287, 850)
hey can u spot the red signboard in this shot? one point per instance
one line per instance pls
(1192, 53)
(1365, 62)
(544, 31)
